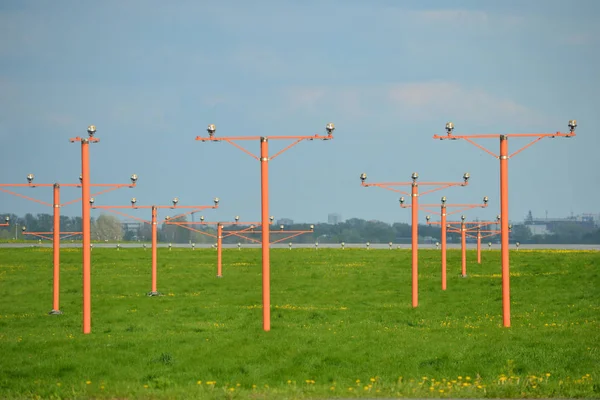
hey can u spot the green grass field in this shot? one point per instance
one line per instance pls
(342, 326)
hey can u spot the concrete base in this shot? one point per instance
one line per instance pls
(55, 312)
(219, 276)
(154, 294)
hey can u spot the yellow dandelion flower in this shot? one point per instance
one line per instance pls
(231, 389)
(441, 390)
(58, 383)
(350, 389)
(460, 378)
(146, 386)
(199, 382)
(102, 387)
(88, 382)
(358, 381)
(332, 388)
(372, 379)
(253, 386)
(289, 382)
(238, 384)
(468, 378)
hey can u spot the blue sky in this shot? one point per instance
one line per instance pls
(151, 75)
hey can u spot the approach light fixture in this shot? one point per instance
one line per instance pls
(211, 130)
(91, 130)
(330, 127)
(572, 125)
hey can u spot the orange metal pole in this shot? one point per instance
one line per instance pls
(504, 230)
(443, 240)
(154, 291)
(478, 245)
(56, 252)
(219, 250)
(85, 231)
(266, 272)
(463, 242)
(415, 244)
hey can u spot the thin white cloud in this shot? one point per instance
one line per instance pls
(454, 17)
(578, 39)
(415, 100)
(304, 97)
(260, 61)
(213, 100)
(448, 97)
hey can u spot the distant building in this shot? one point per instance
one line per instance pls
(594, 218)
(285, 221)
(131, 226)
(334, 218)
(546, 226)
(539, 229)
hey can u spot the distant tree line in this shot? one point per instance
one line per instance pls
(107, 227)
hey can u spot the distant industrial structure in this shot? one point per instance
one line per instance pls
(549, 225)
(285, 221)
(334, 219)
(131, 226)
